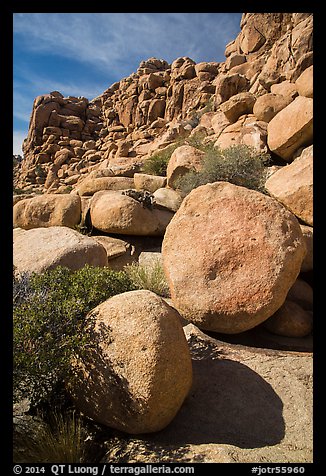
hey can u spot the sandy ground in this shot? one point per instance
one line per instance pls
(247, 404)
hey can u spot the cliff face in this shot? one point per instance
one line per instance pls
(69, 137)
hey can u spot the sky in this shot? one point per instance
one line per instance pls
(82, 54)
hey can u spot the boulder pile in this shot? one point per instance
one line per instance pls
(234, 258)
(265, 82)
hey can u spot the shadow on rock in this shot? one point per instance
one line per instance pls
(228, 404)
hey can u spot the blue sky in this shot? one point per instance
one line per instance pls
(82, 54)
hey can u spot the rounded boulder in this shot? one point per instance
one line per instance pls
(230, 255)
(113, 212)
(40, 249)
(139, 370)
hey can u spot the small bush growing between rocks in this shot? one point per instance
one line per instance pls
(61, 439)
(239, 164)
(149, 277)
(50, 326)
(157, 163)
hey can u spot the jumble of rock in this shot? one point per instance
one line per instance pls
(235, 259)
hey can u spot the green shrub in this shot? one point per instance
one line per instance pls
(239, 164)
(50, 325)
(157, 163)
(149, 277)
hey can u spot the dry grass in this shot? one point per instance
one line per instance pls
(149, 277)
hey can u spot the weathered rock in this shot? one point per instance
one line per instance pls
(119, 252)
(301, 293)
(22, 196)
(292, 185)
(184, 159)
(308, 235)
(229, 85)
(291, 128)
(268, 105)
(150, 258)
(236, 273)
(219, 122)
(287, 50)
(47, 210)
(40, 249)
(304, 83)
(112, 212)
(234, 60)
(285, 88)
(89, 186)
(62, 156)
(206, 71)
(167, 198)
(125, 167)
(290, 321)
(247, 131)
(138, 375)
(238, 105)
(148, 182)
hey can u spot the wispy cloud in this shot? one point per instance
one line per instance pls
(115, 41)
(103, 48)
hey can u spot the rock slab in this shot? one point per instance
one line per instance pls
(291, 128)
(292, 185)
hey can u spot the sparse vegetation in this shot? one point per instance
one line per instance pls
(50, 325)
(149, 277)
(158, 162)
(60, 437)
(240, 164)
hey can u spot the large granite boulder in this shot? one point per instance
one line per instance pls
(40, 249)
(47, 210)
(230, 255)
(139, 370)
(113, 212)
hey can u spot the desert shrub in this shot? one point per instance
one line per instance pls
(239, 164)
(149, 277)
(50, 325)
(60, 438)
(157, 163)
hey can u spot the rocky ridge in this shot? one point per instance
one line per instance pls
(70, 137)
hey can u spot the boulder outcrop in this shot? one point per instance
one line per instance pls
(69, 137)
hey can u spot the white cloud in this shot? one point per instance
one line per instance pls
(110, 43)
(18, 137)
(115, 41)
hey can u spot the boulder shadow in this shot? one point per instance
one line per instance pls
(228, 404)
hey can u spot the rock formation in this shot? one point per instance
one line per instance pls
(235, 259)
(268, 69)
(86, 157)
